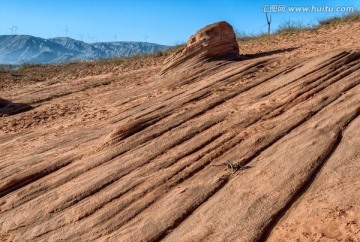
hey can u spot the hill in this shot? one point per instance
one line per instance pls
(207, 144)
(19, 49)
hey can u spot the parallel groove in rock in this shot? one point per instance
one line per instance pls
(171, 142)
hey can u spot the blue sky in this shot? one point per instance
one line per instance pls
(160, 21)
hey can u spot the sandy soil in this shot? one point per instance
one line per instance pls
(265, 148)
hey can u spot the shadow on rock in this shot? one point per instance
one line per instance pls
(8, 108)
(267, 53)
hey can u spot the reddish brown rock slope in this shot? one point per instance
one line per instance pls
(264, 147)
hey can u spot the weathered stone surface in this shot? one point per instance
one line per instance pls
(214, 41)
(262, 149)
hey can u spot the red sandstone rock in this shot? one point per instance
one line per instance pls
(214, 41)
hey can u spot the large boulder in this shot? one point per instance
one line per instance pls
(214, 41)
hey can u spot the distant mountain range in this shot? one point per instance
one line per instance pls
(19, 49)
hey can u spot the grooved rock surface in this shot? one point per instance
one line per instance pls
(214, 41)
(265, 148)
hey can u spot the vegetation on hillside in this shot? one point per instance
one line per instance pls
(290, 27)
(351, 17)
